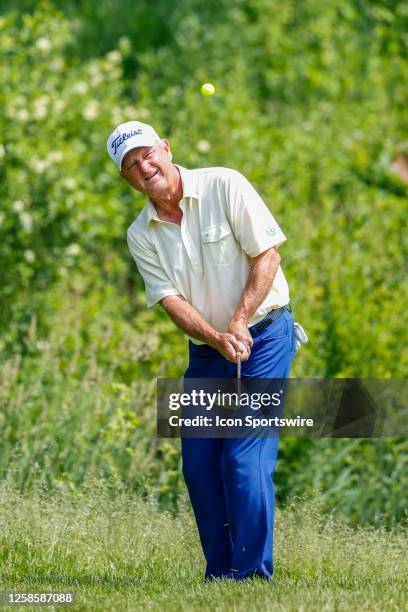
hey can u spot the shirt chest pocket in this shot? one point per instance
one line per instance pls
(219, 243)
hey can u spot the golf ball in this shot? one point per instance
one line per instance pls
(207, 89)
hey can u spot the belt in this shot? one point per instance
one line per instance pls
(272, 316)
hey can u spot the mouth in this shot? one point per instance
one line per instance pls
(152, 176)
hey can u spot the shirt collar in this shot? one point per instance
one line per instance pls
(190, 190)
(189, 180)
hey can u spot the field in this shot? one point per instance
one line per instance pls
(118, 552)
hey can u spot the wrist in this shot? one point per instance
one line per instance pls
(213, 339)
(239, 318)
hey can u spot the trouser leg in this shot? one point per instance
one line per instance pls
(250, 463)
(202, 470)
(249, 466)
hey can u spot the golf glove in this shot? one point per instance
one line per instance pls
(300, 336)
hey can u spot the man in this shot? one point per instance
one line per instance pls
(206, 247)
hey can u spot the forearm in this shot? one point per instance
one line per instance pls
(187, 318)
(259, 283)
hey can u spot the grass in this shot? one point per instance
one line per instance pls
(119, 552)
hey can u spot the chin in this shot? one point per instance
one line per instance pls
(158, 188)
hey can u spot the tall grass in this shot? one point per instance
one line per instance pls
(117, 552)
(79, 402)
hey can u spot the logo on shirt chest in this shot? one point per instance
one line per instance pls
(271, 231)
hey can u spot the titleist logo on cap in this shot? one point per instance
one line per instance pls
(130, 135)
(120, 139)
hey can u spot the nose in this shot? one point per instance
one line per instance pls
(144, 165)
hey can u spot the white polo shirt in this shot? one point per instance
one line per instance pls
(206, 259)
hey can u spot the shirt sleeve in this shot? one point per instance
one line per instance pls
(251, 221)
(157, 283)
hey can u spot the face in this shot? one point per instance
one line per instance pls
(149, 169)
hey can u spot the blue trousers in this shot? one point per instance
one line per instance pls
(229, 480)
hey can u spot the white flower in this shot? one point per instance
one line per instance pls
(203, 146)
(143, 113)
(70, 183)
(39, 165)
(93, 69)
(42, 101)
(59, 105)
(58, 63)
(40, 107)
(114, 57)
(91, 110)
(2, 151)
(117, 116)
(73, 249)
(54, 156)
(18, 206)
(81, 87)
(29, 256)
(96, 79)
(26, 221)
(43, 44)
(22, 114)
(130, 112)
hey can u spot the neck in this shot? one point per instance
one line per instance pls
(169, 202)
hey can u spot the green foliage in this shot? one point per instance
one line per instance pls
(363, 480)
(316, 130)
(78, 405)
(60, 209)
(310, 105)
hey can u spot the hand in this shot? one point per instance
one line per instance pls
(229, 347)
(239, 329)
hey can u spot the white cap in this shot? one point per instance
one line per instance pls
(128, 136)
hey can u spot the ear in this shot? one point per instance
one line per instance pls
(166, 146)
(122, 174)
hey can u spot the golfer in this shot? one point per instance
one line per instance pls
(206, 247)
